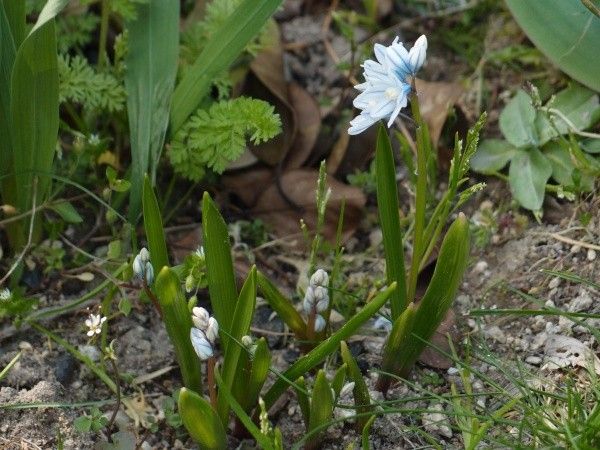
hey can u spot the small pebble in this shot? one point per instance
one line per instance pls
(554, 282)
(575, 249)
(533, 360)
(453, 371)
(549, 304)
(480, 267)
(591, 254)
(24, 345)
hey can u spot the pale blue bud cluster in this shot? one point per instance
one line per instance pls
(387, 83)
(142, 267)
(204, 333)
(316, 298)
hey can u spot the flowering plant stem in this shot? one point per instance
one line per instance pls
(210, 369)
(420, 196)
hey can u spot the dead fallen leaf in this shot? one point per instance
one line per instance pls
(566, 351)
(299, 186)
(266, 81)
(436, 98)
(245, 185)
(338, 152)
(308, 125)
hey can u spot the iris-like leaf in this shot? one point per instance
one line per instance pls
(219, 267)
(517, 121)
(152, 57)
(337, 382)
(362, 398)
(178, 323)
(328, 346)
(387, 203)
(201, 421)
(224, 46)
(252, 374)
(153, 226)
(303, 400)
(492, 155)
(282, 306)
(529, 171)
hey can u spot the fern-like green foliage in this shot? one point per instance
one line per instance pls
(75, 31)
(80, 83)
(127, 9)
(214, 137)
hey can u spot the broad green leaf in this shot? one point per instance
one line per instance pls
(566, 32)
(219, 267)
(282, 306)
(337, 382)
(178, 322)
(562, 166)
(224, 46)
(256, 433)
(590, 145)
(67, 211)
(389, 219)
(432, 308)
(577, 103)
(321, 407)
(529, 171)
(400, 334)
(327, 347)
(251, 375)
(492, 155)
(362, 398)
(151, 61)
(517, 121)
(242, 318)
(155, 233)
(201, 421)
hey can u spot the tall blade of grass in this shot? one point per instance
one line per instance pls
(327, 347)
(9, 366)
(178, 323)
(220, 52)
(387, 204)
(219, 267)
(153, 39)
(242, 318)
(201, 421)
(153, 225)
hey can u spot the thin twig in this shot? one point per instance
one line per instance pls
(118, 393)
(567, 240)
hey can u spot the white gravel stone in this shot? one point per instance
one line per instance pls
(591, 254)
(554, 283)
(533, 360)
(437, 422)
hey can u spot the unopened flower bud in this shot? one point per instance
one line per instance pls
(189, 283)
(319, 323)
(149, 273)
(417, 54)
(200, 317)
(144, 255)
(247, 341)
(212, 331)
(319, 278)
(309, 300)
(138, 267)
(201, 345)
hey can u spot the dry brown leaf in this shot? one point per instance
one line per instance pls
(299, 186)
(266, 81)
(435, 101)
(430, 356)
(247, 185)
(308, 125)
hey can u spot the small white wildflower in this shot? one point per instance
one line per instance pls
(319, 278)
(212, 331)
(200, 317)
(200, 252)
(94, 323)
(319, 323)
(201, 345)
(5, 294)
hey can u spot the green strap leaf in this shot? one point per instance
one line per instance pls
(178, 322)
(362, 398)
(201, 421)
(219, 267)
(152, 59)
(153, 226)
(219, 53)
(321, 407)
(389, 219)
